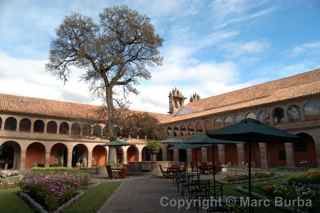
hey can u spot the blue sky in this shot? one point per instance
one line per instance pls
(210, 46)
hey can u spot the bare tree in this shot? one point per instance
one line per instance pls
(116, 52)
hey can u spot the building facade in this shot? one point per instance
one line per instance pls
(40, 132)
(291, 103)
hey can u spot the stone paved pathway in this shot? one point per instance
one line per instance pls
(142, 195)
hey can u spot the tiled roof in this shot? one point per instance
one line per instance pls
(59, 109)
(304, 84)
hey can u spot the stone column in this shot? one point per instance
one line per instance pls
(176, 155)
(164, 152)
(47, 158)
(125, 155)
(189, 156)
(263, 155)
(317, 147)
(289, 154)
(241, 154)
(69, 157)
(140, 154)
(221, 154)
(204, 154)
(23, 159)
(89, 165)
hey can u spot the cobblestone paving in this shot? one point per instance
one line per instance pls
(142, 195)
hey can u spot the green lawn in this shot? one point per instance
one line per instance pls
(93, 198)
(10, 202)
(91, 201)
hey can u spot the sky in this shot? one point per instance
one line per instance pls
(210, 46)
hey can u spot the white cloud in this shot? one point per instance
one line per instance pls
(309, 47)
(29, 78)
(236, 49)
(228, 12)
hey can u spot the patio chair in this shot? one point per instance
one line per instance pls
(166, 173)
(112, 173)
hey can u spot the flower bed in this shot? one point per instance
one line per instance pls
(305, 186)
(50, 191)
(242, 177)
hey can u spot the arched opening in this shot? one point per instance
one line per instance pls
(38, 126)
(263, 116)
(175, 131)
(59, 155)
(212, 151)
(52, 127)
(25, 125)
(99, 156)
(10, 153)
(146, 154)
(132, 154)
(311, 109)
(97, 131)
(169, 131)
(199, 128)
(231, 154)
(119, 151)
(276, 154)
(80, 156)
(86, 130)
(293, 113)
(228, 121)
(196, 155)
(255, 154)
(0, 123)
(169, 153)
(159, 155)
(305, 151)
(75, 129)
(218, 123)
(35, 155)
(105, 131)
(64, 128)
(182, 155)
(278, 115)
(10, 124)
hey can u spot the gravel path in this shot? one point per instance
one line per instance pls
(142, 195)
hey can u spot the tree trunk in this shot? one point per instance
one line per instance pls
(109, 101)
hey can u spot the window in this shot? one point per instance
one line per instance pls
(25, 125)
(38, 126)
(228, 121)
(294, 113)
(278, 115)
(75, 129)
(64, 128)
(52, 127)
(311, 109)
(10, 124)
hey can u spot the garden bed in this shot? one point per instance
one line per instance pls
(50, 191)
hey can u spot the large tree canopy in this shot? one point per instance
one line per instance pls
(117, 51)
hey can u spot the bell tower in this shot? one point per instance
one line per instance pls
(194, 98)
(176, 100)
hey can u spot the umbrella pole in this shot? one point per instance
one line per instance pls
(249, 180)
(214, 171)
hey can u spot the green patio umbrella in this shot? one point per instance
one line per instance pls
(172, 140)
(252, 131)
(112, 157)
(204, 140)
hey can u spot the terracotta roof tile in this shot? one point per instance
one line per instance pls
(287, 88)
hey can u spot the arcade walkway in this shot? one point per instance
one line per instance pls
(142, 195)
